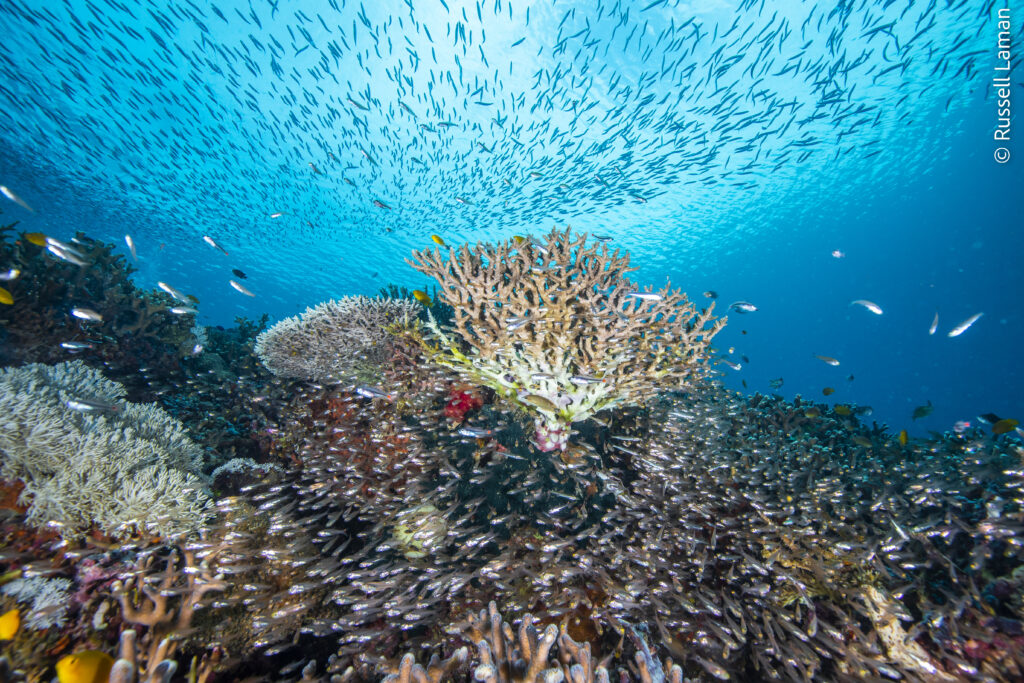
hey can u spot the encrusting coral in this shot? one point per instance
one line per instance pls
(336, 340)
(555, 327)
(86, 457)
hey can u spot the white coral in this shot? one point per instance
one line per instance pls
(329, 341)
(48, 599)
(133, 466)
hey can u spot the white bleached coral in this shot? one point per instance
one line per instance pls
(336, 340)
(118, 465)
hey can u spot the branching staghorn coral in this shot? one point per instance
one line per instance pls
(558, 329)
(121, 466)
(149, 600)
(527, 655)
(336, 339)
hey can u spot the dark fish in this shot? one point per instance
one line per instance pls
(923, 411)
(239, 273)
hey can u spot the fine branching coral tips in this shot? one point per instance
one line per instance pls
(555, 327)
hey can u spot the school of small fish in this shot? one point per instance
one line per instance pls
(746, 550)
(371, 118)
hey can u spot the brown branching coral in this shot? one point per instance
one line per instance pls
(526, 655)
(523, 657)
(165, 602)
(555, 327)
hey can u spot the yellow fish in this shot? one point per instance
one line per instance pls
(422, 297)
(903, 437)
(437, 239)
(518, 239)
(6, 297)
(828, 391)
(812, 412)
(862, 441)
(9, 624)
(89, 666)
(842, 410)
(36, 238)
(1001, 427)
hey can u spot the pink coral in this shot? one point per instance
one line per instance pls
(461, 401)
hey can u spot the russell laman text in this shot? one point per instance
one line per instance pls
(1001, 81)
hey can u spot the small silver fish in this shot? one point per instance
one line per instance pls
(758, 589)
(871, 306)
(935, 324)
(541, 375)
(85, 406)
(827, 359)
(209, 240)
(77, 345)
(477, 432)
(735, 366)
(241, 289)
(65, 252)
(182, 310)
(582, 380)
(646, 296)
(16, 199)
(86, 314)
(743, 307)
(172, 291)
(9, 275)
(373, 392)
(603, 238)
(962, 327)
(131, 247)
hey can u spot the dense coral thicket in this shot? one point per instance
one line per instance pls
(88, 458)
(339, 340)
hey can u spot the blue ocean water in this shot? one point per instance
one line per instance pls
(728, 146)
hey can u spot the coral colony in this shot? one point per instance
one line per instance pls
(540, 479)
(556, 328)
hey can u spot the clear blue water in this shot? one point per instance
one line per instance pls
(170, 121)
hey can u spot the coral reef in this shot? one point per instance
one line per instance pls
(684, 533)
(442, 312)
(228, 400)
(335, 341)
(86, 457)
(555, 327)
(136, 330)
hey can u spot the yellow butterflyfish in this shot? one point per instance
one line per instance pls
(10, 622)
(88, 666)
